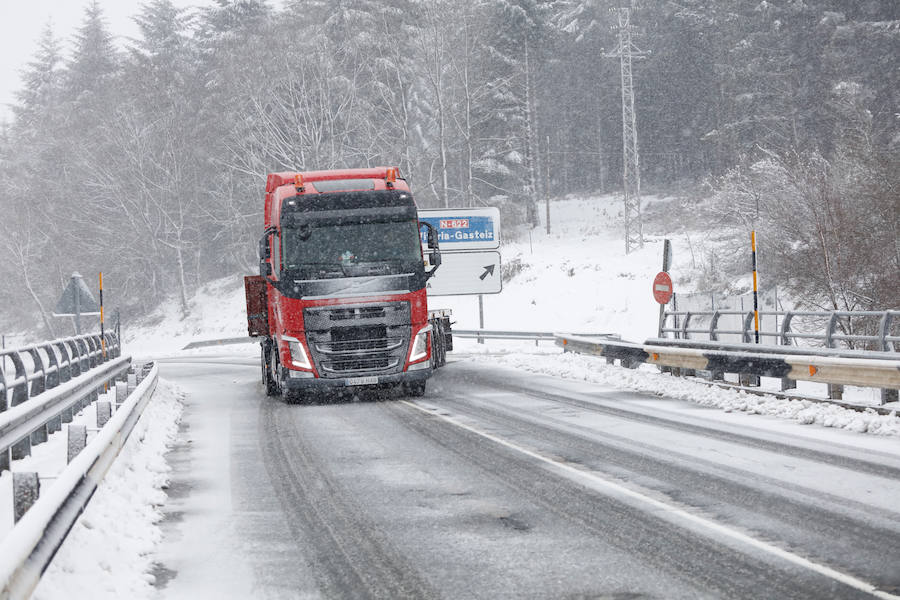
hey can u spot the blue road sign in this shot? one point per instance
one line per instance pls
(463, 228)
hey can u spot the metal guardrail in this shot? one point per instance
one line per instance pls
(30, 546)
(221, 342)
(52, 381)
(868, 370)
(39, 367)
(840, 327)
(536, 336)
(486, 334)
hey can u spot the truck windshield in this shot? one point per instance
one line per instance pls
(323, 251)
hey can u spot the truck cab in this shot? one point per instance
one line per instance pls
(340, 298)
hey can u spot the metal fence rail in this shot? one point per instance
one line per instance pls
(30, 546)
(821, 366)
(872, 330)
(485, 334)
(536, 336)
(30, 370)
(51, 382)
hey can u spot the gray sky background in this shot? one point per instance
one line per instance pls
(22, 21)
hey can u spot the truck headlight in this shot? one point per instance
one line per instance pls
(420, 344)
(298, 353)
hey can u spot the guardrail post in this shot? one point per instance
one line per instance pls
(886, 396)
(829, 333)
(5, 460)
(53, 376)
(788, 384)
(21, 449)
(745, 331)
(684, 326)
(835, 391)
(885, 331)
(76, 442)
(104, 412)
(19, 391)
(37, 384)
(786, 329)
(26, 489)
(65, 371)
(121, 393)
(75, 353)
(66, 415)
(131, 379)
(39, 435)
(713, 323)
(54, 424)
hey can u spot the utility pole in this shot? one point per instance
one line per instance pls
(631, 166)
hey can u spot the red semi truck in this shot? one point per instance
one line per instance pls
(340, 296)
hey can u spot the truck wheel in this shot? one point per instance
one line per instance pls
(262, 361)
(414, 388)
(271, 367)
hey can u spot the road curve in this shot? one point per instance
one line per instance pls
(503, 484)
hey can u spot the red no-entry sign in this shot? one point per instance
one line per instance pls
(662, 287)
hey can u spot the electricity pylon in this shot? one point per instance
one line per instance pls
(631, 164)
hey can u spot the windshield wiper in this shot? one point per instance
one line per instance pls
(321, 269)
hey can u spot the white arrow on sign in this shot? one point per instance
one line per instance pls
(465, 273)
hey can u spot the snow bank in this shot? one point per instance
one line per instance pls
(648, 380)
(108, 552)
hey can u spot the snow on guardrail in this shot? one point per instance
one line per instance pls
(818, 367)
(30, 546)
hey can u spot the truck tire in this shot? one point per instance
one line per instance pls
(414, 388)
(270, 367)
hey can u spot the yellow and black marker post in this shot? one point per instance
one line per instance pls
(755, 290)
(102, 332)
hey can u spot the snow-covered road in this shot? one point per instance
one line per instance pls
(503, 483)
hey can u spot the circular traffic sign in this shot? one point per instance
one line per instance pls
(662, 287)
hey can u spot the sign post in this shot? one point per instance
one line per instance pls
(662, 286)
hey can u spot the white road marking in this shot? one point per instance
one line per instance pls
(598, 481)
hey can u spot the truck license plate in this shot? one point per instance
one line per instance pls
(362, 380)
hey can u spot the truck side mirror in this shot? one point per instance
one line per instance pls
(265, 253)
(434, 254)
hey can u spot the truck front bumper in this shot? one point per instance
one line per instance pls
(320, 383)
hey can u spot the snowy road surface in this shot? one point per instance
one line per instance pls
(500, 483)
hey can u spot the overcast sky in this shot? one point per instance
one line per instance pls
(22, 21)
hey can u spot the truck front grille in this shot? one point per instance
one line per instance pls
(351, 341)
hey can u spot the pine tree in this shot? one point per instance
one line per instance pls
(92, 69)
